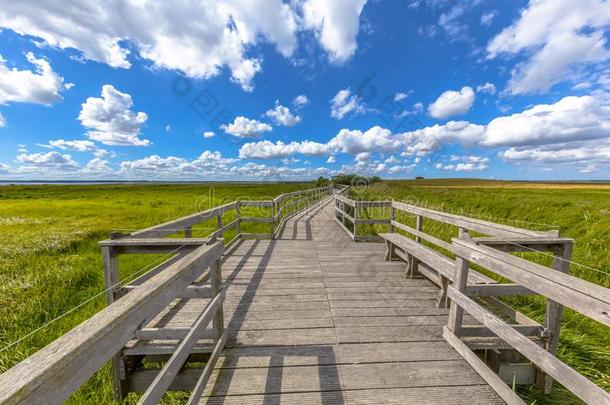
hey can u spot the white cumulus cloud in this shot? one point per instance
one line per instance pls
(111, 120)
(345, 103)
(51, 160)
(282, 115)
(209, 134)
(243, 127)
(200, 38)
(555, 35)
(570, 119)
(336, 23)
(452, 103)
(40, 86)
(268, 150)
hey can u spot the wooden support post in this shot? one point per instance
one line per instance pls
(111, 278)
(442, 301)
(389, 253)
(219, 224)
(419, 225)
(460, 278)
(238, 217)
(554, 313)
(216, 284)
(111, 272)
(392, 218)
(188, 232)
(356, 221)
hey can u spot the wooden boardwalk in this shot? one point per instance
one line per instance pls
(318, 319)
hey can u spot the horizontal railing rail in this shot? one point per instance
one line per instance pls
(50, 375)
(282, 206)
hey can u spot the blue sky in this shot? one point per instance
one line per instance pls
(272, 90)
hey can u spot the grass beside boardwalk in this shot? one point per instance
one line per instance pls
(50, 261)
(579, 211)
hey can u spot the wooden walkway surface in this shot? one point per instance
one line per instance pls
(315, 318)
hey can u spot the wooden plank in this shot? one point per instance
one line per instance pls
(258, 220)
(373, 221)
(585, 297)
(485, 372)
(191, 291)
(524, 244)
(54, 372)
(153, 245)
(452, 395)
(207, 371)
(421, 235)
(167, 228)
(364, 376)
(163, 380)
(253, 203)
(496, 290)
(485, 227)
(565, 375)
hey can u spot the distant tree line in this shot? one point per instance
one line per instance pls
(348, 180)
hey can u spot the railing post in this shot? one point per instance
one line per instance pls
(219, 225)
(111, 278)
(392, 216)
(460, 278)
(238, 217)
(188, 232)
(356, 221)
(419, 224)
(216, 284)
(554, 313)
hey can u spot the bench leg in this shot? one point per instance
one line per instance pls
(412, 267)
(442, 301)
(388, 251)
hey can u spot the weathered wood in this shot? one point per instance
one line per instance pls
(565, 375)
(489, 376)
(54, 372)
(169, 371)
(460, 279)
(496, 290)
(554, 312)
(167, 228)
(421, 235)
(192, 291)
(152, 245)
(201, 383)
(545, 244)
(585, 297)
(472, 224)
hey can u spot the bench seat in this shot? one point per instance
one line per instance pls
(433, 260)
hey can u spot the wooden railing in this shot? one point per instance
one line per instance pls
(53, 373)
(446, 263)
(279, 209)
(589, 299)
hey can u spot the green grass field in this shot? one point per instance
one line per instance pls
(579, 211)
(50, 261)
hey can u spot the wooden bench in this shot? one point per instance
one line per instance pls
(433, 265)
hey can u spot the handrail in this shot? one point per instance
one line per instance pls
(54, 372)
(586, 298)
